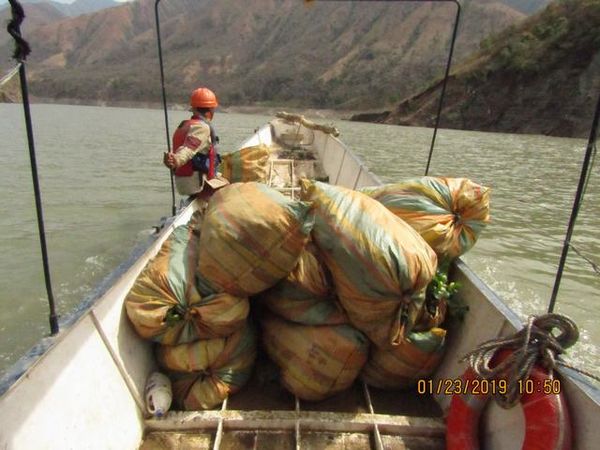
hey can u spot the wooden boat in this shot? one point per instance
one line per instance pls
(84, 387)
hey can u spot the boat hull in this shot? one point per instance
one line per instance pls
(84, 387)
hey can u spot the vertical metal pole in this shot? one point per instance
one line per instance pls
(38, 202)
(297, 435)
(219, 433)
(21, 52)
(448, 64)
(164, 99)
(444, 83)
(376, 433)
(585, 169)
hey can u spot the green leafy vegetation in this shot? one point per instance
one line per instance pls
(565, 31)
(441, 290)
(540, 76)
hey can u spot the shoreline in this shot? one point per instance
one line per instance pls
(271, 110)
(317, 113)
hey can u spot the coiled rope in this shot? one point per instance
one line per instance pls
(22, 48)
(536, 343)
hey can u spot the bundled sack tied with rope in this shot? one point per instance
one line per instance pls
(401, 366)
(206, 372)
(306, 295)
(247, 164)
(449, 213)
(315, 362)
(419, 355)
(164, 303)
(380, 265)
(252, 237)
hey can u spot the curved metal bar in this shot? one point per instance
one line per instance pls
(164, 99)
(20, 54)
(585, 172)
(444, 83)
(448, 64)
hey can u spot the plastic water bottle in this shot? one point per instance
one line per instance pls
(158, 394)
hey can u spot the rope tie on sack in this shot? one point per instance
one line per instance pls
(536, 343)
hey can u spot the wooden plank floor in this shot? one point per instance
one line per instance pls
(264, 393)
(241, 440)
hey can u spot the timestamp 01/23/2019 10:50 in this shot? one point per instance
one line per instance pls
(448, 386)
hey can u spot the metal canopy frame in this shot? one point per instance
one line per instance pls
(21, 52)
(293, 420)
(444, 81)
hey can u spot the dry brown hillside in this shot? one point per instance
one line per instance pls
(36, 16)
(338, 54)
(540, 77)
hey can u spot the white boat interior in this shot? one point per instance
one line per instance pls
(84, 387)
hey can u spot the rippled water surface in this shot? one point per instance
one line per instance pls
(104, 187)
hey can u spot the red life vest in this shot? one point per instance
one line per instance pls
(187, 170)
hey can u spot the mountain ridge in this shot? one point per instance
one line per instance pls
(76, 8)
(539, 77)
(329, 55)
(275, 52)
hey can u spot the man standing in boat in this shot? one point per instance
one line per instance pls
(194, 157)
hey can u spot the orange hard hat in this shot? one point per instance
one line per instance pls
(203, 98)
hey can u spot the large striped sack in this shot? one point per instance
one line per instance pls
(401, 366)
(306, 296)
(252, 237)
(247, 164)
(449, 213)
(206, 372)
(380, 265)
(315, 362)
(164, 304)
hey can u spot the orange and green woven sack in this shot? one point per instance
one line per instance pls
(206, 372)
(418, 356)
(379, 264)
(315, 362)
(306, 295)
(449, 213)
(252, 237)
(247, 164)
(164, 304)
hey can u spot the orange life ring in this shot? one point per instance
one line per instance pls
(547, 422)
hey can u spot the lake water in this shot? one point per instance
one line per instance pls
(104, 187)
